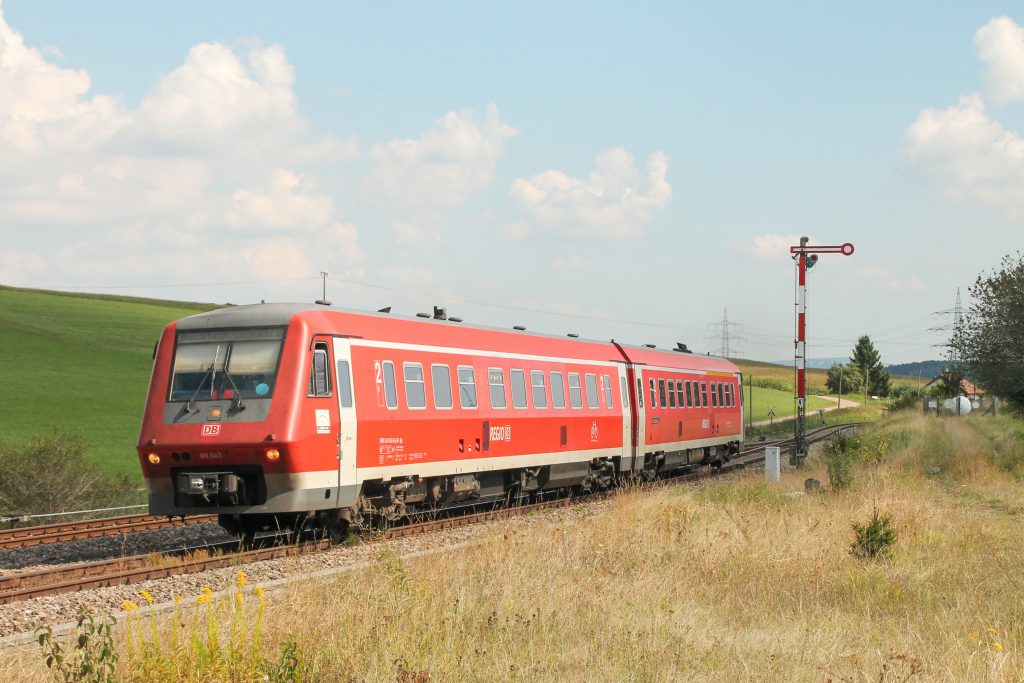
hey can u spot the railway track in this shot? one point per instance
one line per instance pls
(93, 528)
(129, 570)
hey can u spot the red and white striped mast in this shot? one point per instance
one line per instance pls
(805, 257)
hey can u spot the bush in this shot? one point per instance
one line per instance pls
(51, 474)
(840, 457)
(874, 539)
(769, 383)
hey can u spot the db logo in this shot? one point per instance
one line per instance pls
(211, 430)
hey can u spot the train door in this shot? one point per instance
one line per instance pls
(640, 421)
(627, 410)
(347, 423)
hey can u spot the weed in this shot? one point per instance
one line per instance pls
(92, 657)
(841, 454)
(875, 538)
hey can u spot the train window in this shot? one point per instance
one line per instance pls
(607, 392)
(689, 394)
(714, 395)
(344, 384)
(467, 387)
(622, 388)
(390, 390)
(640, 392)
(654, 393)
(728, 396)
(415, 391)
(557, 390)
(704, 394)
(517, 378)
(496, 380)
(591, 382)
(671, 395)
(661, 394)
(319, 377)
(213, 365)
(441, 380)
(721, 394)
(540, 396)
(679, 393)
(575, 394)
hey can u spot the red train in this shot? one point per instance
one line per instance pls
(273, 415)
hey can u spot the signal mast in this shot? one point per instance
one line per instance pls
(805, 257)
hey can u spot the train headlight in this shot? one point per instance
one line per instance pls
(153, 458)
(273, 455)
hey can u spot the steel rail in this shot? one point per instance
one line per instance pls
(129, 570)
(24, 537)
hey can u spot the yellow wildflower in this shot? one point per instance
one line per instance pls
(975, 635)
(146, 596)
(259, 592)
(990, 630)
(238, 597)
(207, 590)
(203, 599)
(128, 606)
(177, 599)
(240, 579)
(997, 647)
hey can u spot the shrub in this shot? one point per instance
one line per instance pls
(840, 456)
(875, 538)
(51, 474)
(769, 383)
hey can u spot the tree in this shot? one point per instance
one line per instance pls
(990, 341)
(948, 384)
(842, 376)
(868, 368)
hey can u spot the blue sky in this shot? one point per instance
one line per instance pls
(623, 172)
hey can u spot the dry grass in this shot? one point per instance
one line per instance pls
(734, 582)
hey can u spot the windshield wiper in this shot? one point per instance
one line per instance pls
(211, 373)
(237, 404)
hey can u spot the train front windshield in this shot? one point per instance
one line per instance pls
(225, 364)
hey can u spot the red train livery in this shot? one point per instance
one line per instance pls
(273, 415)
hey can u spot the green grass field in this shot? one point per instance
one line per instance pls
(80, 364)
(782, 402)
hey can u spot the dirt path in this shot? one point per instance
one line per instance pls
(847, 403)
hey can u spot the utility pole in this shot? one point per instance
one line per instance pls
(805, 257)
(323, 301)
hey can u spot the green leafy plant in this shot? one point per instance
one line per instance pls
(875, 538)
(840, 457)
(91, 660)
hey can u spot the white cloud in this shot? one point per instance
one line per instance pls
(42, 106)
(286, 202)
(517, 231)
(887, 280)
(770, 247)
(144, 194)
(213, 99)
(1000, 44)
(415, 234)
(615, 201)
(572, 262)
(443, 167)
(962, 150)
(967, 154)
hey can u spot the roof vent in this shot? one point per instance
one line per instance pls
(422, 315)
(440, 313)
(650, 346)
(386, 309)
(323, 302)
(455, 320)
(682, 348)
(521, 328)
(573, 335)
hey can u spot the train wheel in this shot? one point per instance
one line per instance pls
(338, 531)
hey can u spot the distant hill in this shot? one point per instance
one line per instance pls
(925, 368)
(80, 363)
(816, 363)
